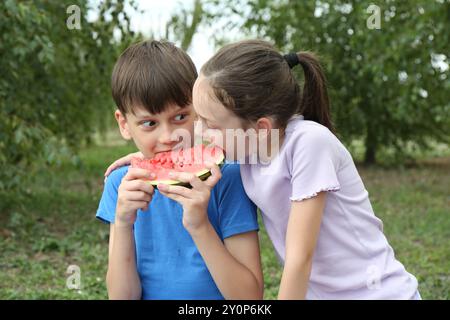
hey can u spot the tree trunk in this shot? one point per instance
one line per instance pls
(197, 15)
(371, 147)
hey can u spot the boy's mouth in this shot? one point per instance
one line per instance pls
(156, 152)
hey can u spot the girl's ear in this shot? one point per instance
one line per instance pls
(264, 125)
(123, 125)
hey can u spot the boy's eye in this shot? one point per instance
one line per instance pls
(149, 123)
(180, 117)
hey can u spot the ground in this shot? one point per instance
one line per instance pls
(52, 227)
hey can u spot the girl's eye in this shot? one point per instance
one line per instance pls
(208, 125)
(149, 123)
(180, 117)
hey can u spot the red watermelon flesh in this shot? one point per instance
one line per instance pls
(181, 160)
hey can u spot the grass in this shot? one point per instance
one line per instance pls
(52, 227)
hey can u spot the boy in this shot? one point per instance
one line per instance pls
(202, 245)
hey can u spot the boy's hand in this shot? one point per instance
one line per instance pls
(134, 193)
(123, 162)
(195, 200)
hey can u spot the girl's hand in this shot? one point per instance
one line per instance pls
(134, 193)
(195, 200)
(123, 162)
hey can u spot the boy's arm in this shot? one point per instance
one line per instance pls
(122, 279)
(133, 193)
(235, 265)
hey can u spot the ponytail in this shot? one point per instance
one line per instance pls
(314, 103)
(253, 80)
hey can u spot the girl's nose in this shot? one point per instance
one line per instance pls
(202, 130)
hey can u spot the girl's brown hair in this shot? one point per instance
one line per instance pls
(254, 80)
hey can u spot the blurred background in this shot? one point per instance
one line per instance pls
(387, 64)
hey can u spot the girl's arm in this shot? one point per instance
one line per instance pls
(301, 238)
(123, 162)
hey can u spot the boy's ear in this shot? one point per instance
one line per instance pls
(123, 125)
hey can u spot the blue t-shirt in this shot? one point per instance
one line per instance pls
(168, 262)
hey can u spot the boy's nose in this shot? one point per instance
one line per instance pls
(165, 136)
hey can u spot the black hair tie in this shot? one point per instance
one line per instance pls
(291, 59)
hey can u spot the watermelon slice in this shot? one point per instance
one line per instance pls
(181, 160)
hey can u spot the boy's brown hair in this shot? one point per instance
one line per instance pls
(152, 75)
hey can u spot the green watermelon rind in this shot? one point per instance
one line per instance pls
(203, 175)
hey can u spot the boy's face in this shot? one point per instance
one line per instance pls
(154, 133)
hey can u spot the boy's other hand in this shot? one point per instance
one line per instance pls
(134, 193)
(195, 200)
(123, 162)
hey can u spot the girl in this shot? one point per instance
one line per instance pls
(313, 202)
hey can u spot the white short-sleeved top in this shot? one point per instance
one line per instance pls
(353, 259)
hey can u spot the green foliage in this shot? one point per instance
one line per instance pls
(54, 89)
(385, 84)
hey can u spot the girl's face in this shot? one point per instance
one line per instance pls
(154, 133)
(223, 126)
(209, 110)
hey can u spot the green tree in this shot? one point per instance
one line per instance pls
(389, 85)
(183, 24)
(54, 89)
